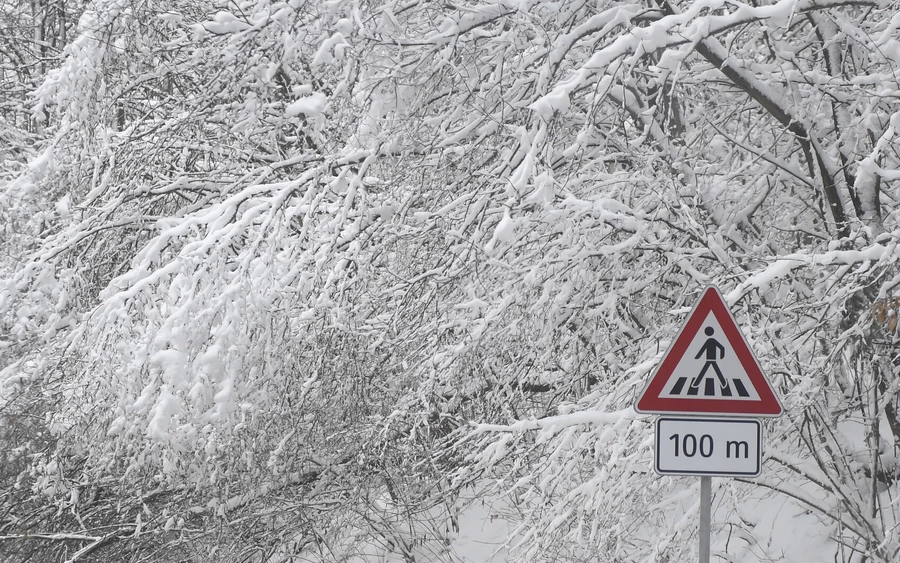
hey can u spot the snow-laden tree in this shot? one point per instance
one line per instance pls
(274, 257)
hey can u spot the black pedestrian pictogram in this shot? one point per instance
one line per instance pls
(714, 351)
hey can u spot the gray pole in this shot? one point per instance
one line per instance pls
(705, 508)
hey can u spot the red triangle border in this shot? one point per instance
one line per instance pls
(649, 401)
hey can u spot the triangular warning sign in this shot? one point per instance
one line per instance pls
(709, 369)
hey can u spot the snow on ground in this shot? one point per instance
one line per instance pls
(483, 533)
(781, 531)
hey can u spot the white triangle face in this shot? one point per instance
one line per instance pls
(710, 369)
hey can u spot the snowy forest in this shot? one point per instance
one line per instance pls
(378, 281)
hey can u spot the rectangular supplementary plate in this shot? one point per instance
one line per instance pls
(723, 447)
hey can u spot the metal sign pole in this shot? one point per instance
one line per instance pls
(705, 508)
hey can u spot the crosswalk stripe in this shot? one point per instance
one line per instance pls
(709, 388)
(679, 385)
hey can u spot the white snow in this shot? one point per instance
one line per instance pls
(505, 231)
(226, 22)
(310, 106)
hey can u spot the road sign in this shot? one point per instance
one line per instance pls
(709, 369)
(724, 447)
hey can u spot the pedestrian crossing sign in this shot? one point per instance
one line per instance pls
(709, 369)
